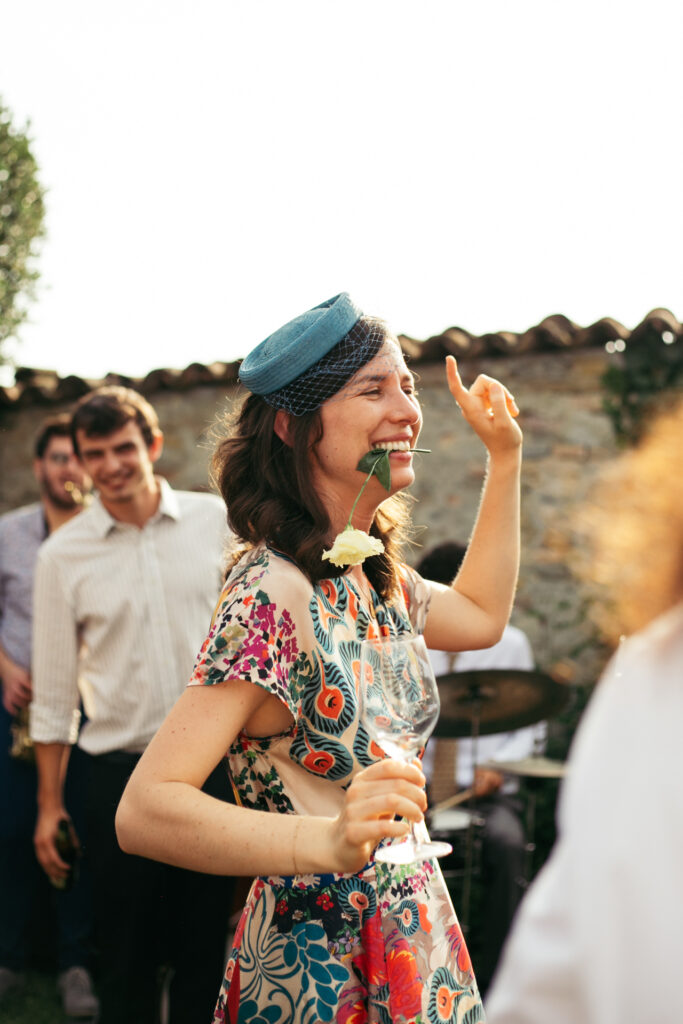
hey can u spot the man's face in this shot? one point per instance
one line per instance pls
(121, 465)
(61, 478)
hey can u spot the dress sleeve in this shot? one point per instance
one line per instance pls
(251, 638)
(417, 596)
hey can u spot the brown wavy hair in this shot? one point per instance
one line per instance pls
(268, 491)
(634, 530)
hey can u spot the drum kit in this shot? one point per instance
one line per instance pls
(479, 703)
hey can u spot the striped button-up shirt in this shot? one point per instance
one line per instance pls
(119, 615)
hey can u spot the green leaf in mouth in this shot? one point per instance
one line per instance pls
(377, 462)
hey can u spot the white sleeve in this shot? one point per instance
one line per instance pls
(538, 981)
(55, 706)
(522, 743)
(598, 937)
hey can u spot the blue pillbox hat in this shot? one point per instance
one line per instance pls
(298, 345)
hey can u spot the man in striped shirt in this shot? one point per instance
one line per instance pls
(123, 599)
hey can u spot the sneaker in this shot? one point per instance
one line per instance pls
(78, 997)
(10, 980)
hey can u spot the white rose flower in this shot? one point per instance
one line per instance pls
(351, 547)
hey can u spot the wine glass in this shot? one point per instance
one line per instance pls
(399, 704)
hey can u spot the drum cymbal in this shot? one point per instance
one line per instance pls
(533, 767)
(500, 700)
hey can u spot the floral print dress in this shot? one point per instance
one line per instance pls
(381, 946)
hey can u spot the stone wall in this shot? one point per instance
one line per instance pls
(567, 440)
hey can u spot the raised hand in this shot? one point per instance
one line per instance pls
(488, 407)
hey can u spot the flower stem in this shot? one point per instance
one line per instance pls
(349, 525)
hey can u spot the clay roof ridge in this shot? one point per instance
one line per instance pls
(555, 332)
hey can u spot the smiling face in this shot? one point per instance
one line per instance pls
(377, 409)
(120, 464)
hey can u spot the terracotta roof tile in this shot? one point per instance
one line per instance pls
(557, 332)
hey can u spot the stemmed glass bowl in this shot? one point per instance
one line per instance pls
(399, 703)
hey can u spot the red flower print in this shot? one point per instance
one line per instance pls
(324, 901)
(405, 983)
(445, 997)
(354, 1010)
(458, 946)
(354, 607)
(329, 590)
(359, 902)
(318, 761)
(330, 701)
(425, 923)
(233, 1004)
(371, 959)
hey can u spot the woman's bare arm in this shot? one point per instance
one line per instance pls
(165, 816)
(473, 612)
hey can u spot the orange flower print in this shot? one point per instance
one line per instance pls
(405, 983)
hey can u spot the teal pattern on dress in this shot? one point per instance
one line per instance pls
(382, 946)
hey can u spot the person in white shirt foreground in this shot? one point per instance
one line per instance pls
(497, 801)
(599, 936)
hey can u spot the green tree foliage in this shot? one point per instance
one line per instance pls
(22, 211)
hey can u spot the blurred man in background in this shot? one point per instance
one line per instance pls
(24, 895)
(495, 794)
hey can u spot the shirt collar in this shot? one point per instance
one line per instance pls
(103, 522)
(168, 505)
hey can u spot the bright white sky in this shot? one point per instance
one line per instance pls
(214, 167)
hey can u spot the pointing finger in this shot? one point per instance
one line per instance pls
(455, 384)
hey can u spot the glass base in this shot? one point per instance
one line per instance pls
(410, 852)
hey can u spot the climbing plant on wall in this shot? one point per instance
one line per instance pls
(645, 366)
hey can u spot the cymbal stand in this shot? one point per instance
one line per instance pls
(464, 911)
(530, 846)
(530, 820)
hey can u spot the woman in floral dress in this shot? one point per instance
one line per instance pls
(327, 933)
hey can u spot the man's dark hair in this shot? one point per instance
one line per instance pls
(441, 564)
(53, 426)
(107, 409)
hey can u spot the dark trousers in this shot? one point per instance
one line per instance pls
(150, 915)
(30, 908)
(503, 855)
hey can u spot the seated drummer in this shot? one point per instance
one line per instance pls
(498, 802)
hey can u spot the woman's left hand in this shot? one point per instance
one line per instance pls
(488, 407)
(380, 803)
